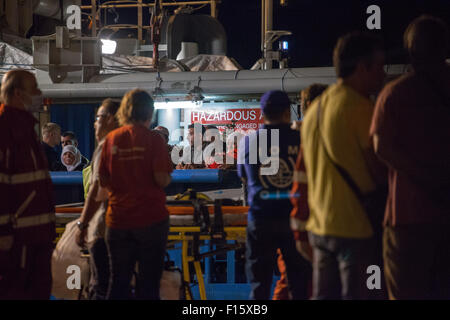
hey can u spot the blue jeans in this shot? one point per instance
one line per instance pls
(147, 247)
(99, 262)
(339, 267)
(263, 240)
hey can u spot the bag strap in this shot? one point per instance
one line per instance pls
(344, 174)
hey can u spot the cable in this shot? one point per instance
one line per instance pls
(118, 1)
(282, 79)
(202, 6)
(296, 114)
(294, 74)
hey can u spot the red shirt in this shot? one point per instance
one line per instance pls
(130, 156)
(411, 120)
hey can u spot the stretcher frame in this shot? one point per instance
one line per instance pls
(190, 236)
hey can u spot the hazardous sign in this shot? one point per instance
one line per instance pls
(244, 119)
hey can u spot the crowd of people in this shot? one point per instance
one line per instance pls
(70, 158)
(362, 180)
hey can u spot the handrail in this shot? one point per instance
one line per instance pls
(178, 176)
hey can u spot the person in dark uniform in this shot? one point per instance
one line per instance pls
(268, 184)
(51, 136)
(27, 212)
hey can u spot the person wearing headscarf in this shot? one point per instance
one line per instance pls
(71, 159)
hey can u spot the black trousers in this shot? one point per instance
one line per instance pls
(145, 246)
(99, 264)
(263, 240)
(25, 272)
(340, 267)
(417, 261)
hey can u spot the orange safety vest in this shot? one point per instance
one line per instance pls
(299, 199)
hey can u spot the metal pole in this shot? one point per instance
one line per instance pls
(174, 84)
(268, 12)
(213, 9)
(140, 22)
(167, 4)
(94, 17)
(263, 25)
(155, 21)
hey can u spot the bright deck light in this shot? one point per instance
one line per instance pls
(108, 46)
(178, 104)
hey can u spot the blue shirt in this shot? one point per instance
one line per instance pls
(268, 195)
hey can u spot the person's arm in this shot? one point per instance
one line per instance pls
(104, 181)
(385, 128)
(90, 208)
(242, 160)
(300, 211)
(402, 162)
(180, 166)
(362, 122)
(162, 163)
(104, 174)
(162, 179)
(6, 207)
(377, 168)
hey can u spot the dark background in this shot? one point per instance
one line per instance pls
(315, 24)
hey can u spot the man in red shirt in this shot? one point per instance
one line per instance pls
(27, 214)
(411, 134)
(134, 168)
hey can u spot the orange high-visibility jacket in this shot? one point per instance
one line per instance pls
(299, 199)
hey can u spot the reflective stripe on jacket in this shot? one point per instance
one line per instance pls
(26, 205)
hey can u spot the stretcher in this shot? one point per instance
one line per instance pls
(191, 222)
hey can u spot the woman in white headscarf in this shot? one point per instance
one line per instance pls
(71, 158)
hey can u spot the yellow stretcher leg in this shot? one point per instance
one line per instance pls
(185, 263)
(201, 282)
(198, 271)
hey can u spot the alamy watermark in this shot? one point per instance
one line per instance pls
(73, 281)
(374, 20)
(374, 280)
(209, 147)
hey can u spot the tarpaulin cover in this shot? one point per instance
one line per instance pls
(13, 58)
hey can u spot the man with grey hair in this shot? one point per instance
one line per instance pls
(51, 135)
(27, 214)
(411, 132)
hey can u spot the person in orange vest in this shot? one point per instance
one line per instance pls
(300, 211)
(27, 213)
(134, 169)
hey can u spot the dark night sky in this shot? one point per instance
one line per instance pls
(315, 24)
